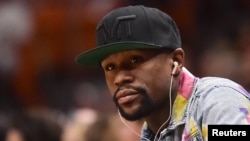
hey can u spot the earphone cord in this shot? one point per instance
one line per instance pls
(170, 108)
(170, 112)
(131, 128)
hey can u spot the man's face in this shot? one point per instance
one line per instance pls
(138, 81)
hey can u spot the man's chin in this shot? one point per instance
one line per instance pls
(131, 116)
(134, 112)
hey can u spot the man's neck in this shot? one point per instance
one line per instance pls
(156, 120)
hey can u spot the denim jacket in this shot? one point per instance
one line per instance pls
(199, 103)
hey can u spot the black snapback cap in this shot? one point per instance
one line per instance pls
(129, 28)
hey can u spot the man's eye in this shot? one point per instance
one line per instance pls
(110, 67)
(135, 59)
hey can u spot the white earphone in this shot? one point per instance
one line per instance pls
(175, 68)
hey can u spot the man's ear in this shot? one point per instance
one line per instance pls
(178, 57)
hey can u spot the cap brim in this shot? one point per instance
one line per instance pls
(93, 58)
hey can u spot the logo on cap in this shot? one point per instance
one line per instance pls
(121, 29)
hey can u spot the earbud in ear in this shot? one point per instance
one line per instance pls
(175, 68)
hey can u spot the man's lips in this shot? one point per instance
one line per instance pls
(126, 95)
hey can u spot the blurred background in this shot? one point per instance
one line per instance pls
(39, 40)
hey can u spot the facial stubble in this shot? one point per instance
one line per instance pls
(146, 104)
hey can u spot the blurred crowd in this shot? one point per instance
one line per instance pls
(84, 124)
(44, 93)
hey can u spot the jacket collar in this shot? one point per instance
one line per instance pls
(186, 87)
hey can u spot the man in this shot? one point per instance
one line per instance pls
(139, 49)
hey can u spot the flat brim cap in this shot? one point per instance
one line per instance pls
(131, 28)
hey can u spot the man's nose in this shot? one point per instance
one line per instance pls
(123, 77)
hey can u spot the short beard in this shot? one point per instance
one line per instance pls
(146, 105)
